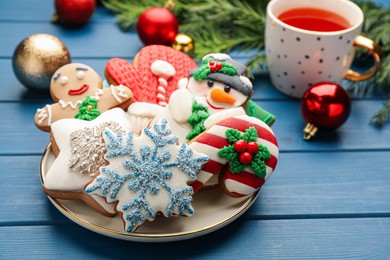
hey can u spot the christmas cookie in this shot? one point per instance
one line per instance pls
(79, 147)
(243, 151)
(77, 90)
(147, 174)
(215, 91)
(154, 74)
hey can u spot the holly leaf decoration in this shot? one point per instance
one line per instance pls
(88, 110)
(263, 153)
(258, 162)
(250, 135)
(233, 135)
(228, 153)
(236, 166)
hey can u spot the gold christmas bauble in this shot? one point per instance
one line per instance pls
(183, 43)
(36, 59)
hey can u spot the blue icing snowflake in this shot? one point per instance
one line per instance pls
(147, 174)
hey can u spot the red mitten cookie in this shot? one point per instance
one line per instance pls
(242, 149)
(154, 74)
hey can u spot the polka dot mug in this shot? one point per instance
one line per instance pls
(299, 56)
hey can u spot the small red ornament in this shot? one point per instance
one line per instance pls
(240, 146)
(252, 147)
(245, 158)
(157, 25)
(74, 12)
(215, 66)
(324, 105)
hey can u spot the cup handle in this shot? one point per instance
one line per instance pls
(375, 51)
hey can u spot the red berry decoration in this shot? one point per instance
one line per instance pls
(252, 147)
(74, 12)
(215, 66)
(245, 158)
(324, 105)
(157, 25)
(240, 146)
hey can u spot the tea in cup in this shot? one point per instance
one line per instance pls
(310, 41)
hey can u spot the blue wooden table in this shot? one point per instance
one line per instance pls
(328, 198)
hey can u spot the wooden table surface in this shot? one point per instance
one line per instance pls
(328, 198)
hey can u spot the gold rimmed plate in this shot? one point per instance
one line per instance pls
(213, 210)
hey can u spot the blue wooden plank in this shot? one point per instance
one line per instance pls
(93, 40)
(41, 11)
(272, 239)
(18, 134)
(327, 184)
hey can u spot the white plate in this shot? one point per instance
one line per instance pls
(213, 210)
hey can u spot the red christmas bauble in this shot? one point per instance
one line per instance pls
(240, 146)
(325, 105)
(157, 25)
(245, 158)
(74, 12)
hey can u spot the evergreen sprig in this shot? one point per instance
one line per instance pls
(224, 25)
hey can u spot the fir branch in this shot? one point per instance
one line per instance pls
(382, 115)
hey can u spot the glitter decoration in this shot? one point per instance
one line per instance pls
(147, 174)
(87, 148)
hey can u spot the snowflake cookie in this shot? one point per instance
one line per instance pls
(147, 174)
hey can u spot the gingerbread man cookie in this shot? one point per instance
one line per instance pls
(77, 90)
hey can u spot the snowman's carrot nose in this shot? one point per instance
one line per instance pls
(218, 95)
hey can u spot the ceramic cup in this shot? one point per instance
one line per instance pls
(298, 58)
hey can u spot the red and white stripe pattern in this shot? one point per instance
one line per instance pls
(214, 138)
(163, 70)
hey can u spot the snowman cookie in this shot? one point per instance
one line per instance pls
(77, 90)
(216, 90)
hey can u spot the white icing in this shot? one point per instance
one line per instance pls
(44, 113)
(80, 74)
(59, 176)
(235, 186)
(182, 83)
(217, 56)
(141, 114)
(160, 67)
(246, 81)
(113, 93)
(76, 104)
(69, 103)
(180, 105)
(223, 114)
(64, 80)
(122, 91)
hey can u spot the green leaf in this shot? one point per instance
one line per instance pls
(228, 153)
(236, 166)
(258, 167)
(263, 153)
(250, 134)
(233, 135)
